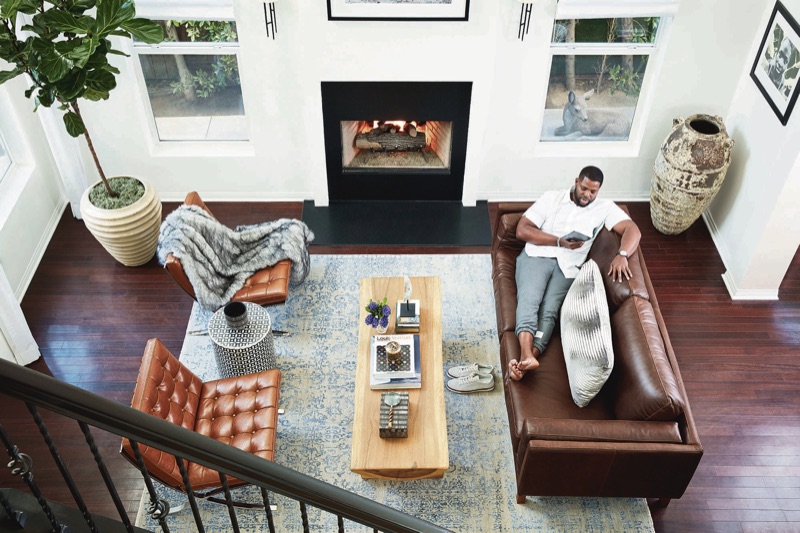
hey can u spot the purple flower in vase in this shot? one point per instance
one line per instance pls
(386, 311)
(384, 322)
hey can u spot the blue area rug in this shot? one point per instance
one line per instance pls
(318, 362)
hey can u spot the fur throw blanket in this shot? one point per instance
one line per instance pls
(218, 260)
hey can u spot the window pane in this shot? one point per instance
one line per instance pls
(198, 31)
(602, 105)
(195, 97)
(5, 159)
(612, 30)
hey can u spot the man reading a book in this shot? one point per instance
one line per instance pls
(558, 231)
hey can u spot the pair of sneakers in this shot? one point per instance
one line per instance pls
(467, 379)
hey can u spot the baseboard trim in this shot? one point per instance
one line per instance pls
(724, 254)
(41, 248)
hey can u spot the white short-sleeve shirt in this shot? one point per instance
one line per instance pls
(557, 214)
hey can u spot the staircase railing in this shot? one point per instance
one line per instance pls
(39, 390)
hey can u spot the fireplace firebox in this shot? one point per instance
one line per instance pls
(395, 140)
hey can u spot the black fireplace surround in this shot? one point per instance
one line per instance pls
(428, 101)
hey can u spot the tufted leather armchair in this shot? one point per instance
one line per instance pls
(241, 411)
(265, 287)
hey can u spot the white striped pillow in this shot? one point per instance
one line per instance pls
(586, 335)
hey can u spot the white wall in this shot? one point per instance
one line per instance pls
(31, 200)
(755, 217)
(281, 84)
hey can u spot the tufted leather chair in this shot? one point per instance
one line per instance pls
(265, 287)
(241, 411)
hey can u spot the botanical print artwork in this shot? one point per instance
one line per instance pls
(780, 61)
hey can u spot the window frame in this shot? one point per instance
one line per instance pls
(181, 10)
(586, 9)
(20, 172)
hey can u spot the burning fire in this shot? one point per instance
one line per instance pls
(401, 124)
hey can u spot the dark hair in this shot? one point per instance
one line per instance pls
(592, 174)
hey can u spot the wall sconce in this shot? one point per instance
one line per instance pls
(270, 20)
(526, 6)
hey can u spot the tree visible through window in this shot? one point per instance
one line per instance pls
(596, 75)
(193, 82)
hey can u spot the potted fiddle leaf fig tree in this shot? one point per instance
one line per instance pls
(63, 47)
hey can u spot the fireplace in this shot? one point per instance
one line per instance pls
(395, 140)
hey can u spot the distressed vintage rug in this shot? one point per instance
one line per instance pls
(318, 362)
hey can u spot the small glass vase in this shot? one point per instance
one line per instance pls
(381, 329)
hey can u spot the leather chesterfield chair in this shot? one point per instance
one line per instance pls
(266, 287)
(241, 411)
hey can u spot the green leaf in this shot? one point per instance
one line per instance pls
(45, 97)
(6, 75)
(73, 86)
(81, 53)
(111, 14)
(79, 6)
(100, 81)
(65, 22)
(9, 8)
(74, 124)
(95, 96)
(144, 30)
(55, 64)
(29, 7)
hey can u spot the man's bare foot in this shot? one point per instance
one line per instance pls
(516, 370)
(528, 359)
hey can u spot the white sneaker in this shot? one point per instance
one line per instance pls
(467, 370)
(473, 383)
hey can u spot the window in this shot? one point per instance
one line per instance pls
(603, 65)
(5, 159)
(192, 81)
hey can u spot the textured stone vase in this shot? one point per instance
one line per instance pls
(688, 172)
(129, 234)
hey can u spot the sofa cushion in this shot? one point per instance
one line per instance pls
(505, 249)
(601, 430)
(604, 250)
(586, 335)
(645, 385)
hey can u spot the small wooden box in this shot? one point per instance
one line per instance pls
(399, 427)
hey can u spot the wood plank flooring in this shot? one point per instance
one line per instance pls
(92, 317)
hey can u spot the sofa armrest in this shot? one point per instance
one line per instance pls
(601, 430)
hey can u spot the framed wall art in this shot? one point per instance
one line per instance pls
(398, 10)
(776, 66)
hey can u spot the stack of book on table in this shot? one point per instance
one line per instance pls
(401, 373)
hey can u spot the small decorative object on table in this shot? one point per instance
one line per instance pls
(378, 315)
(394, 415)
(236, 314)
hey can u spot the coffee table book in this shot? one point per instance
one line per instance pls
(382, 381)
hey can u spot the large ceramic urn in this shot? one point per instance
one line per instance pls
(688, 173)
(130, 233)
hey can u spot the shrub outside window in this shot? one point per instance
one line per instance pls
(192, 81)
(598, 74)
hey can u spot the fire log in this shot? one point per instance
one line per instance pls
(389, 142)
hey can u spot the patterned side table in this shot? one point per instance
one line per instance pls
(245, 350)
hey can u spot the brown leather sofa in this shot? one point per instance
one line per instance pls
(637, 437)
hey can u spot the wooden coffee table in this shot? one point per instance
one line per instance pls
(423, 454)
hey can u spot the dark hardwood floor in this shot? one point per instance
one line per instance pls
(92, 317)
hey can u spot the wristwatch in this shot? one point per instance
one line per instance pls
(623, 253)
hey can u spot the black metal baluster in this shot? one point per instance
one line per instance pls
(73, 488)
(268, 508)
(101, 466)
(158, 509)
(20, 465)
(18, 516)
(304, 516)
(234, 522)
(340, 521)
(192, 502)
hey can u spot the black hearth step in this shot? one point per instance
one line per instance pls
(399, 223)
(36, 521)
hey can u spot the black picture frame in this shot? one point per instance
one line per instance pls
(457, 10)
(776, 68)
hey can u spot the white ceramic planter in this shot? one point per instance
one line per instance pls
(129, 234)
